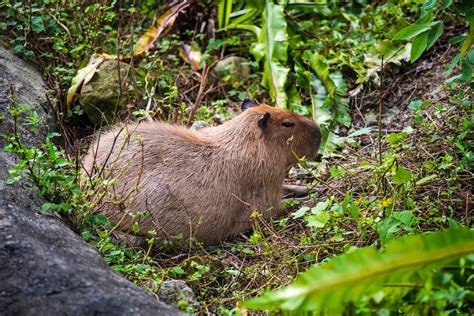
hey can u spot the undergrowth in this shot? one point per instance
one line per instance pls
(412, 180)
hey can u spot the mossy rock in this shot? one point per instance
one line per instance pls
(234, 69)
(100, 98)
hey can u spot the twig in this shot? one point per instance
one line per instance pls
(380, 113)
(61, 24)
(205, 72)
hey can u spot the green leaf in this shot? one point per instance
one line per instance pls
(402, 175)
(434, 34)
(136, 228)
(453, 63)
(456, 39)
(387, 229)
(318, 220)
(320, 65)
(301, 212)
(244, 16)
(418, 46)
(46, 207)
(447, 3)
(428, 7)
(177, 271)
(274, 41)
(426, 179)
(411, 31)
(415, 105)
(330, 286)
(37, 24)
(466, 70)
(330, 142)
(405, 217)
(223, 12)
(321, 206)
(251, 28)
(115, 252)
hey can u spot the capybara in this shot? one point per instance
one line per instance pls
(203, 184)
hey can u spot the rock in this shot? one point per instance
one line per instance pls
(235, 69)
(100, 98)
(45, 268)
(21, 81)
(177, 292)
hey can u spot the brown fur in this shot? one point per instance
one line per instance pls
(204, 183)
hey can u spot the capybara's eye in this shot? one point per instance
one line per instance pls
(288, 124)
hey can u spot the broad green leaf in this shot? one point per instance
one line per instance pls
(415, 105)
(405, 217)
(252, 28)
(301, 212)
(320, 65)
(274, 39)
(319, 95)
(37, 24)
(434, 34)
(402, 175)
(456, 39)
(295, 101)
(411, 31)
(387, 229)
(223, 13)
(321, 206)
(318, 220)
(466, 70)
(418, 46)
(330, 142)
(243, 16)
(426, 179)
(327, 90)
(453, 63)
(428, 7)
(330, 286)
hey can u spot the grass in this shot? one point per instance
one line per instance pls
(417, 177)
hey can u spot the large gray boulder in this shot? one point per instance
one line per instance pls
(45, 268)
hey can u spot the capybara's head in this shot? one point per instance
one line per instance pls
(284, 130)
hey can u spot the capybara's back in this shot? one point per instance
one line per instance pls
(203, 184)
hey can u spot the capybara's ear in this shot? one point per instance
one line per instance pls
(262, 121)
(247, 103)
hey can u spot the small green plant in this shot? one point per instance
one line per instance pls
(426, 31)
(59, 182)
(46, 166)
(408, 265)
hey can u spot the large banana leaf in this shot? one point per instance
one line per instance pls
(272, 46)
(331, 285)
